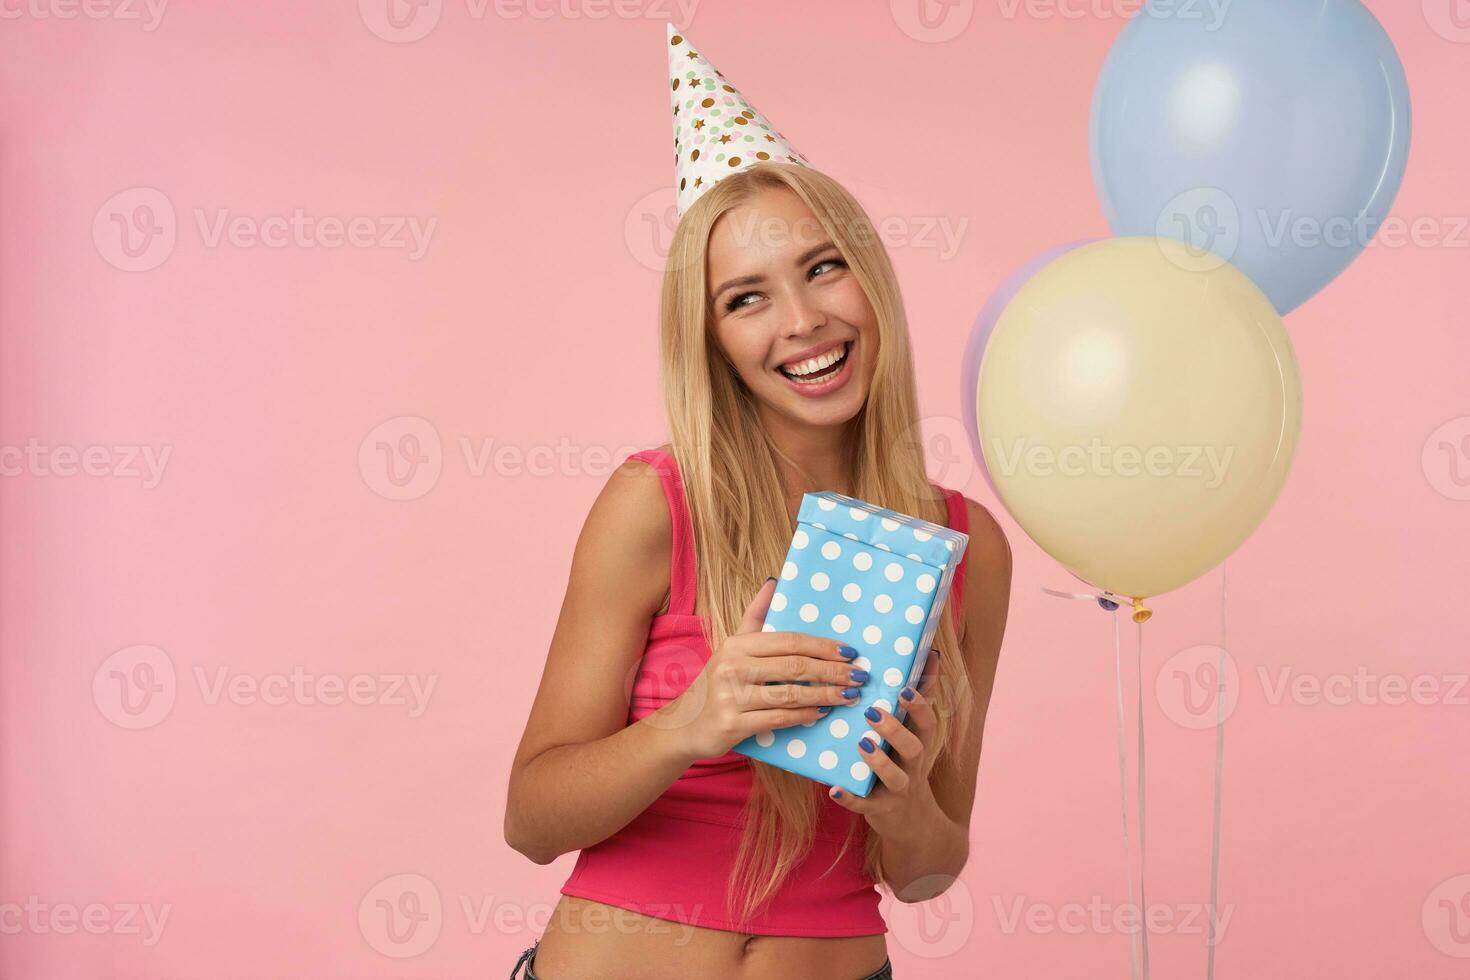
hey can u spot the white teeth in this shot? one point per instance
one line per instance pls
(815, 364)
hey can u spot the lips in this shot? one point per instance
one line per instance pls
(833, 378)
(839, 350)
(811, 352)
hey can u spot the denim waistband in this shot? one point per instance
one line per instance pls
(528, 959)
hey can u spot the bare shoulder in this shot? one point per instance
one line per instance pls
(618, 577)
(626, 539)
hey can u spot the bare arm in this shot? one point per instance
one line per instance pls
(925, 860)
(581, 773)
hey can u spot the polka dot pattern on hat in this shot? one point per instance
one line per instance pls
(716, 131)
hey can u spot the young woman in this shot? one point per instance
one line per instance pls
(787, 368)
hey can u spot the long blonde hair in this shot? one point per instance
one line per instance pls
(741, 524)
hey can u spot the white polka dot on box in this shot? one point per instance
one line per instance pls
(876, 580)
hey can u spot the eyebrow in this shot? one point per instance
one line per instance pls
(801, 260)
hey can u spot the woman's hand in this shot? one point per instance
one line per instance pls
(902, 799)
(761, 681)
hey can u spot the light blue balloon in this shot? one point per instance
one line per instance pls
(1273, 133)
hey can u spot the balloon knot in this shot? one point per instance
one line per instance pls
(1141, 613)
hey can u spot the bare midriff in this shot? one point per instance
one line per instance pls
(587, 939)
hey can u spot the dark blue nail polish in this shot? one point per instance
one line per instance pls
(824, 709)
(837, 794)
(847, 651)
(859, 677)
(769, 578)
(872, 714)
(865, 744)
(849, 692)
(907, 694)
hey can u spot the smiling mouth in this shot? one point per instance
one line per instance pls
(823, 373)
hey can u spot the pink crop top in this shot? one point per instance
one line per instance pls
(672, 861)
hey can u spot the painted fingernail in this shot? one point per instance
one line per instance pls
(860, 677)
(846, 651)
(865, 744)
(769, 578)
(872, 714)
(824, 709)
(837, 794)
(907, 694)
(849, 692)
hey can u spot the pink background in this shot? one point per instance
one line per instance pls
(269, 825)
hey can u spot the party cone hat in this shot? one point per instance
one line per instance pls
(716, 132)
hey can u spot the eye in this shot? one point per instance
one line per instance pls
(738, 300)
(734, 302)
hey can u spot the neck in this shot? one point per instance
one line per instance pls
(811, 457)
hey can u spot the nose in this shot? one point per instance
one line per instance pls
(803, 317)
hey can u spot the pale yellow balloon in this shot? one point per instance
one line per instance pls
(1138, 410)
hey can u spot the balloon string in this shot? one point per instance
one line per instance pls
(1220, 681)
(1123, 784)
(1111, 605)
(1142, 810)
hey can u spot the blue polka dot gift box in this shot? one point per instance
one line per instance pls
(876, 580)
